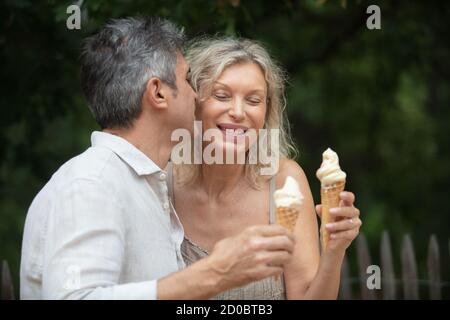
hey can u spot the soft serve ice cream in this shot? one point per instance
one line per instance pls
(332, 180)
(330, 172)
(289, 194)
(288, 199)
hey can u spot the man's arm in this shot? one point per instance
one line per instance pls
(85, 246)
(256, 253)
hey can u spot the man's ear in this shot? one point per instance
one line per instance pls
(156, 93)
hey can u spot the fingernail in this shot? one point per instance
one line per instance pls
(333, 210)
(329, 225)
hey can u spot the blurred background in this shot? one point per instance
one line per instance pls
(380, 98)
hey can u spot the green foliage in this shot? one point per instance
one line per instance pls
(379, 98)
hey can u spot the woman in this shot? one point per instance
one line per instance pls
(240, 88)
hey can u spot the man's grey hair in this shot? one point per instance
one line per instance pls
(118, 61)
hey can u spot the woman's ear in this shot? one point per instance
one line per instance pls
(156, 93)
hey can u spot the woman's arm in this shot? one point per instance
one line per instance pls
(309, 276)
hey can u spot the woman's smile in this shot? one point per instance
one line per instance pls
(230, 130)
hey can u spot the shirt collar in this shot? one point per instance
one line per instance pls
(131, 155)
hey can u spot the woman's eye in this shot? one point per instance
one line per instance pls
(254, 101)
(221, 96)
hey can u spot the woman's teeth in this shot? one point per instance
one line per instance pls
(232, 131)
(235, 132)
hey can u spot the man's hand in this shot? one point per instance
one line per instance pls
(256, 253)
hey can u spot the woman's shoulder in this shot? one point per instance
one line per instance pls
(289, 167)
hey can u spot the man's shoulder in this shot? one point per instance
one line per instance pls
(96, 168)
(91, 164)
(97, 165)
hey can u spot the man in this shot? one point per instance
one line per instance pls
(103, 226)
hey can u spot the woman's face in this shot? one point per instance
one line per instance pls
(237, 103)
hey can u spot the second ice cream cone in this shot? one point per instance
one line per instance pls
(332, 182)
(330, 198)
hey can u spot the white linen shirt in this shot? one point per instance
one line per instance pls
(101, 228)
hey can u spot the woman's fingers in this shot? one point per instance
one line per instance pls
(349, 235)
(346, 224)
(345, 212)
(348, 198)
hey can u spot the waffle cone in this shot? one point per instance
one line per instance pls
(330, 198)
(286, 217)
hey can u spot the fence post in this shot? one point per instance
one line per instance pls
(388, 283)
(345, 292)
(364, 261)
(434, 270)
(409, 270)
(7, 292)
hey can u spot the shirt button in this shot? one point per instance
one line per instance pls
(162, 176)
(166, 205)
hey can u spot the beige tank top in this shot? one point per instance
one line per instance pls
(270, 288)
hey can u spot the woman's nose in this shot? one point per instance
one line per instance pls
(236, 110)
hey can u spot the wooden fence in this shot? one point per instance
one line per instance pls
(408, 285)
(393, 287)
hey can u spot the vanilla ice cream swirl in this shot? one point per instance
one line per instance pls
(330, 172)
(289, 194)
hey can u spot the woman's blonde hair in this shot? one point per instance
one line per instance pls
(208, 58)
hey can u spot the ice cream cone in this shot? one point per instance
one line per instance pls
(288, 201)
(330, 198)
(287, 217)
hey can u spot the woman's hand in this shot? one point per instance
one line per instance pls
(346, 228)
